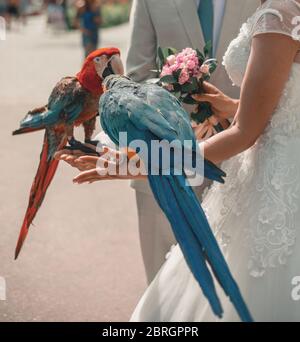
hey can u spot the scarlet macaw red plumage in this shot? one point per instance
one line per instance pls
(73, 101)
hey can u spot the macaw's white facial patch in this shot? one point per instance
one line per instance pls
(100, 63)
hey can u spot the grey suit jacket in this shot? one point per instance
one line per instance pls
(176, 23)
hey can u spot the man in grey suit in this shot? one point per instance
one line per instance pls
(179, 24)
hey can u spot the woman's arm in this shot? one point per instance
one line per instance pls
(267, 72)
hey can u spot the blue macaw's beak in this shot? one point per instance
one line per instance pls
(114, 67)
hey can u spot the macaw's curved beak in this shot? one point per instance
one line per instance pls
(114, 67)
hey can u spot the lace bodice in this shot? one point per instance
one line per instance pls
(266, 174)
(274, 16)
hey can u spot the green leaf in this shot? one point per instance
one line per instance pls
(189, 100)
(197, 118)
(213, 66)
(204, 112)
(172, 51)
(189, 87)
(177, 73)
(160, 54)
(168, 79)
(177, 87)
(200, 56)
(196, 84)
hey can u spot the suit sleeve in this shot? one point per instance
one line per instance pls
(141, 57)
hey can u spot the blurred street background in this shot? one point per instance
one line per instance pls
(81, 261)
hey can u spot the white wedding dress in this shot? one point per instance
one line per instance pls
(256, 214)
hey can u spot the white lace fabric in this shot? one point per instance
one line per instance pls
(277, 16)
(274, 16)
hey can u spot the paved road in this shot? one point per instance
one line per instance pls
(81, 261)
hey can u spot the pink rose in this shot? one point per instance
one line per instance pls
(204, 69)
(188, 51)
(184, 76)
(179, 59)
(181, 65)
(166, 71)
(174, 67)
(191, 64)
(171, 60)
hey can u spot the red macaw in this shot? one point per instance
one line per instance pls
(73, 101)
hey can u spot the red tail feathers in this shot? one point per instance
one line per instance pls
(42, 180)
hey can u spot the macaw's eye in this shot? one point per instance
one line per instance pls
(97, 59)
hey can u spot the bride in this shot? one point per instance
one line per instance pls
(256, 214)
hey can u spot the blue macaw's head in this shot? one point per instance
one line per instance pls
(114, 80)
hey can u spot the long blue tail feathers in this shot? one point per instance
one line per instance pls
(197, 241)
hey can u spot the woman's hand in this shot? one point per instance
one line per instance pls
(222, 105)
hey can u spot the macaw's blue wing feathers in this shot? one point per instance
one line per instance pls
(148, 112)
(144, 118)
(65, 104)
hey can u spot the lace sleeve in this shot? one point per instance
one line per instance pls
(278, 16)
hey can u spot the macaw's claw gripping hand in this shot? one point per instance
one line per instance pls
(75, 145)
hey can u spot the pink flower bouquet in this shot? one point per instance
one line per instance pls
(183, 74)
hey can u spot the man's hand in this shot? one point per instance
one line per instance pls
(70, 157)
(84, 162)
(96, 168)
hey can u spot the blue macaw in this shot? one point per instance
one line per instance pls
(148, 112)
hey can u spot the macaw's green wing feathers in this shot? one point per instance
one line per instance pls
(65, 105)
(68, 97)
